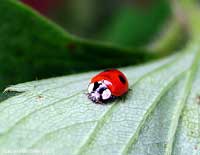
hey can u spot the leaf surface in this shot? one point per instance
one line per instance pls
(159, 116)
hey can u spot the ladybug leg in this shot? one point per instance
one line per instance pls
(112, 98)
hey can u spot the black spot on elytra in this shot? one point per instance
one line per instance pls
(122, 79)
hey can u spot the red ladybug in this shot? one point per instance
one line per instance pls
(107, 86)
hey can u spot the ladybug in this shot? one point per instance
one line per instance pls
(107, 86)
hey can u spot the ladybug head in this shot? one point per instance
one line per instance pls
(99, 92)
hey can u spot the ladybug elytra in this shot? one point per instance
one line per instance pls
(107, 86)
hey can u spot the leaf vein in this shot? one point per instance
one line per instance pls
(181, 104)
(69, 127)
(30, 114)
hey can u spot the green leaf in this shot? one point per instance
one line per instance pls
(159, 116)
(32, 47)
(134, 26)
(171, 38)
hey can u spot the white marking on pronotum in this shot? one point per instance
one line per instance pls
(90, 87)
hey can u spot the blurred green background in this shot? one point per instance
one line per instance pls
(88, 35)
(121, 22)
